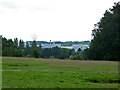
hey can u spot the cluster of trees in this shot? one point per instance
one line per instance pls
(20, 49)
(11, 48)
(105, 44)
(56, 52)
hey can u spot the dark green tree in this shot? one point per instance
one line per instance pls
(40, 50)
(35, 53)
(21, 44)
(105, 44)
(64, 53)
(55, 51)
(35, 50)
(27, 50)
(9, 48)
(34, 44)
(72, 52)
(46, 53)
(16, 42)
(79, 49)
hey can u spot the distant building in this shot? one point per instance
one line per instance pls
(77, 46)
(81, 46)
(50, 45)
(54, 44)
(69, 47)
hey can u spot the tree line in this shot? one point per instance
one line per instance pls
(15, 48)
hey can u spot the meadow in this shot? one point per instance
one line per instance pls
(56, 73)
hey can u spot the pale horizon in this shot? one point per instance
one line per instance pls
(56, 20)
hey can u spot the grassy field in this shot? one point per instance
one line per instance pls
(46, 73)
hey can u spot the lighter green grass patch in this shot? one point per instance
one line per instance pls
(40, 73)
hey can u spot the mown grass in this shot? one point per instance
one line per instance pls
(41, 73)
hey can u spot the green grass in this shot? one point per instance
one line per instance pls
(41, 73)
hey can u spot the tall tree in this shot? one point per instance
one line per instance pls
(21, 44)
(27, 49)
(35, 50)
(55, 51)
(106, 36)
(34, 44)
(16, 42)
(40, 50)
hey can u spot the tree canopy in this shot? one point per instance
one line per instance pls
(105, 44)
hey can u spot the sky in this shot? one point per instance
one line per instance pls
(55, 20)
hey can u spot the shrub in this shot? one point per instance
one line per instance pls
(76, 57)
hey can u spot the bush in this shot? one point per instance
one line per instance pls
(76, 57)
(52, 57)
(35, 53)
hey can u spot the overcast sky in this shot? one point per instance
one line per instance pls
(56, 20)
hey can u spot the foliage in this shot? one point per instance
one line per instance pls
(106, 36)
(27, 51)
(64, 53)
(80, 55)
(55, 51)
(46, 53)
(21, 44)
(34, 44)
(35, 53)
(10, 48)
(76, 57)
